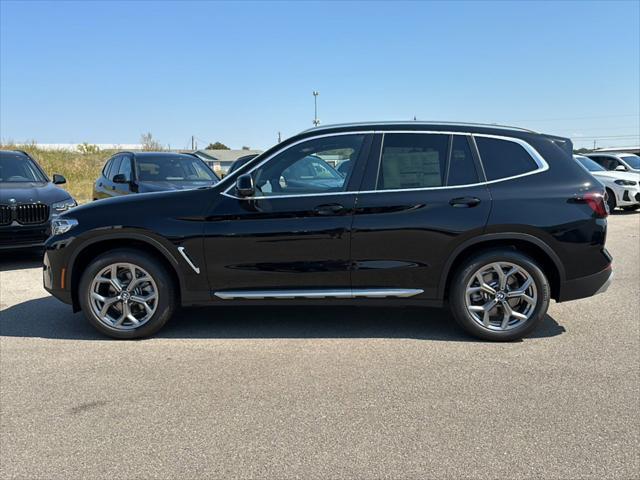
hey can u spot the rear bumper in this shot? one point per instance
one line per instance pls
(586, 286)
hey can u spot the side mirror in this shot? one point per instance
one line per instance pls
(245, 186)
(621, 168)
(120, 178)
(58, 179)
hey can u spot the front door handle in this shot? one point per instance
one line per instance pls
(464, 202)
(330, 209)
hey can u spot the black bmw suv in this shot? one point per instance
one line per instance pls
(493, 221)
(28, 201)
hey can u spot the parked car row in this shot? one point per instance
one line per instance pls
(29, 200)
(492, 221)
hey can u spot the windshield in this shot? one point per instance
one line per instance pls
(590, 164)
(17, 167)
(632, 160)
(173, 168)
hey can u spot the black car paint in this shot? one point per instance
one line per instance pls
(17, 236)
(397, 239)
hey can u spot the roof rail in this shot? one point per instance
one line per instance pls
(414, 122)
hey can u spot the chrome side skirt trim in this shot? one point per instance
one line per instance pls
(338, 293)
(188, 260)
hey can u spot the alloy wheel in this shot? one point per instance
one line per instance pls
(501, 296)
(123, 296)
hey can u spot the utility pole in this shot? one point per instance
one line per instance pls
(316, 122)
(279, 137)
(594, 145)
(193, 142)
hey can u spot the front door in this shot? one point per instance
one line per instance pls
(292, 237)
(422, 196)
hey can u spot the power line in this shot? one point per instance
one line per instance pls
(606, 136)
(637, 115)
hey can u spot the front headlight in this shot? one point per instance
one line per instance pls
(628, 183)
(61, 207)
(62, 225)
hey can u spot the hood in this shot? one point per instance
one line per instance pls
(181, 185)
(31, 192)
(612, 174)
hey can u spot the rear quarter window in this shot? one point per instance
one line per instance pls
(504, 158)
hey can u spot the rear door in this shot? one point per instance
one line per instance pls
(125, 168)
(102, 187)
(422, 196)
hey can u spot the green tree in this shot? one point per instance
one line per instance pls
(217, 146)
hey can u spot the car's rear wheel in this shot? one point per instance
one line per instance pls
(127, 294)
(499, 295)
(611, 200)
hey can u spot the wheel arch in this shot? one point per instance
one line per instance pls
(537, 249)
(92, 248)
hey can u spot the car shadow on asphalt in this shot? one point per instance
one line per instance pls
(48, 318)
(20, 259)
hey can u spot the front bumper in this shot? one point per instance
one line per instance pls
(17, 236)
(627, 196)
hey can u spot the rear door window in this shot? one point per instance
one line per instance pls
(107, 168)
(115, 167)
(412, 160)
(504, 158)
(462, 168)
(125, 167)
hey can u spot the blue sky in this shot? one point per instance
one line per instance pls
(240, 72)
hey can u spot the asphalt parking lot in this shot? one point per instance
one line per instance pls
(322, 393)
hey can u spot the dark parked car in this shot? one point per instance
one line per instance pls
(142, 172)
(28, 201)
(240, 162)
(495, 222)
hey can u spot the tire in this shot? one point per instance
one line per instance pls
(611, 200)
(631, 208)
(151, 312)
(526, 272)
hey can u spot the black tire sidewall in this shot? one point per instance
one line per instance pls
(463, 275)
(611, 200)
(166, 292)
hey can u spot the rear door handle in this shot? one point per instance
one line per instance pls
(464, 202)
(330, 209)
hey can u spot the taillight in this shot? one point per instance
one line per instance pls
(597, 203)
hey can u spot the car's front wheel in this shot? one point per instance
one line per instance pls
(127, 294)
(611, 200)
(499, 295)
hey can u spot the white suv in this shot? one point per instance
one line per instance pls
(623, 188)
(620, 162)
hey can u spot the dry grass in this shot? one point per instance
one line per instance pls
(80, 169)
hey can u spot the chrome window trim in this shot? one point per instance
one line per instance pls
(543, 166)
(306, 139)
(329, 293)
(535, 155)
